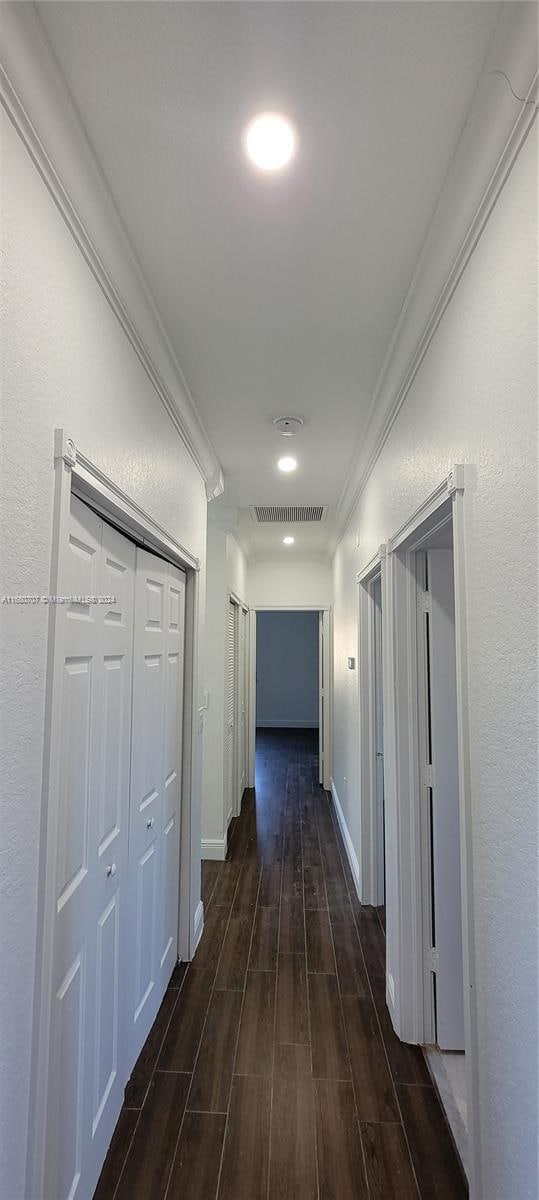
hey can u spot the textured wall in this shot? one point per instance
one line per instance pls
(474, 401)
(287, 669)
(294, 583)
(65, 362)
(226, 572)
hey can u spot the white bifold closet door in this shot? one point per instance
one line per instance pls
(155, 790)
(93, 659)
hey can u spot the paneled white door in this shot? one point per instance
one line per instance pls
(94, 650)
(155, 789)
(172, 774)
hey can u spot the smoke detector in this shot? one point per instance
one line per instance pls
(288, 426)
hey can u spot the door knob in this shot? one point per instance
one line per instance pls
(111, 870)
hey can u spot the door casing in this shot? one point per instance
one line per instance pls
(372, 844)
(405, 991)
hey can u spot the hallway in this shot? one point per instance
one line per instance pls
(272, 1069)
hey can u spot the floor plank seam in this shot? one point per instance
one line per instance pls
(212, 991)
(308, 994)
(242, 863)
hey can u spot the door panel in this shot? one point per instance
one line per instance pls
(64, 1174)
(109, 841)
(94, 652)
(145, 923)
(105, 1007)
(155, 787)
(146, 789)
(75, 776)
(172, 770)
(445, 804)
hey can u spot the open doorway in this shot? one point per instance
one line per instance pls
(290, 679)
(424, 803)
(287, 676)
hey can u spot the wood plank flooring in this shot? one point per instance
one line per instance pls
(272, 1071)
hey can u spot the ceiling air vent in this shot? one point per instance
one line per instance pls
(266, 514)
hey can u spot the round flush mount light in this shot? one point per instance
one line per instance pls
(287, 464)
(288, 541)
(269, 141)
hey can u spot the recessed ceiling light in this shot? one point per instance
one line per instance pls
(288, 541)
(287, 464)
(269, 141)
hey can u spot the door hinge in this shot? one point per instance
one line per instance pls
(431, 959)
(427, 776)
(424, 601)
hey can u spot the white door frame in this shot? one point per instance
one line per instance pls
(370, 866)
(405, 895)
(75, 473)
(241, 606)
(244, 688)
(326, 611)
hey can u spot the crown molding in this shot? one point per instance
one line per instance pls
(497, 126)
(36, 98)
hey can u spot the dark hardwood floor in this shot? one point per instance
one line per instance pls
(272, 1071)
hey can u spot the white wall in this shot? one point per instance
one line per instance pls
(226, 572)
(474, 401)
(275, 584)
(66, 362)
(287, 669)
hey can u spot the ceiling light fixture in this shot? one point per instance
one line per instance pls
(269, 141)
(288, 541)
(287, 464)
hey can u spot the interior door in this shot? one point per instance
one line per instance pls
(86, 1075)
(173, 718)
(146, 813)
(445, 803)
(440, 825)
(155, 789)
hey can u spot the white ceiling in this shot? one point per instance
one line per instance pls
(279, 294)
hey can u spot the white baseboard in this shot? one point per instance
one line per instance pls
(199, 924)
(350, 852)
(214, 848)
(287, 724)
